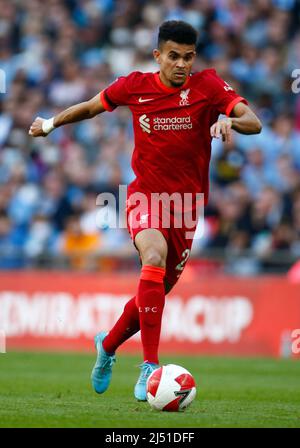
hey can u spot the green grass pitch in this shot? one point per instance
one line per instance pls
(53, 390)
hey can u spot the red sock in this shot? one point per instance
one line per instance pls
(127, 325)
(151, 301)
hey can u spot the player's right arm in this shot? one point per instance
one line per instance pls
(82, 111)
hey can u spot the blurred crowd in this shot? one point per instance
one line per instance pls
(56, 53)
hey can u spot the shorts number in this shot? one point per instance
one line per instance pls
(185, 255)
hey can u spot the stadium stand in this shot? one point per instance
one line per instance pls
(60, 52)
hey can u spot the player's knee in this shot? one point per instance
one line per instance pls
(153, 257)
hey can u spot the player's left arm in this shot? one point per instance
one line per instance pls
(242, 120)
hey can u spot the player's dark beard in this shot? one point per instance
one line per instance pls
(177, 84)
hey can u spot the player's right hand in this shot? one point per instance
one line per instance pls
(36, 128)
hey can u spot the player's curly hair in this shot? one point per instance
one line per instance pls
(178, 31)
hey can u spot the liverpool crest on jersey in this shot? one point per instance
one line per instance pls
(184, 95)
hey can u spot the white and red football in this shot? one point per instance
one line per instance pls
(170, 388)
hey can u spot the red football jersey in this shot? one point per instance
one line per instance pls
(171, 128)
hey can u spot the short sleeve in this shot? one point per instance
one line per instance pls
(116, 94)
(221, 94)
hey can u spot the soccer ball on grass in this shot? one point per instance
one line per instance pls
(170, 388)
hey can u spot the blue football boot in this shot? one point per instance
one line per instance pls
(102, 371)
(140, 391)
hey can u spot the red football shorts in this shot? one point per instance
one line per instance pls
(179, 239)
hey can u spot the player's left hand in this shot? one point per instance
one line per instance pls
(222, 128)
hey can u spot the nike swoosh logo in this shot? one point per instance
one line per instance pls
(143, 100)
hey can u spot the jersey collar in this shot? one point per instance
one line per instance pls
(170, 89)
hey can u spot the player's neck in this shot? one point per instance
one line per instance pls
(165, 80)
